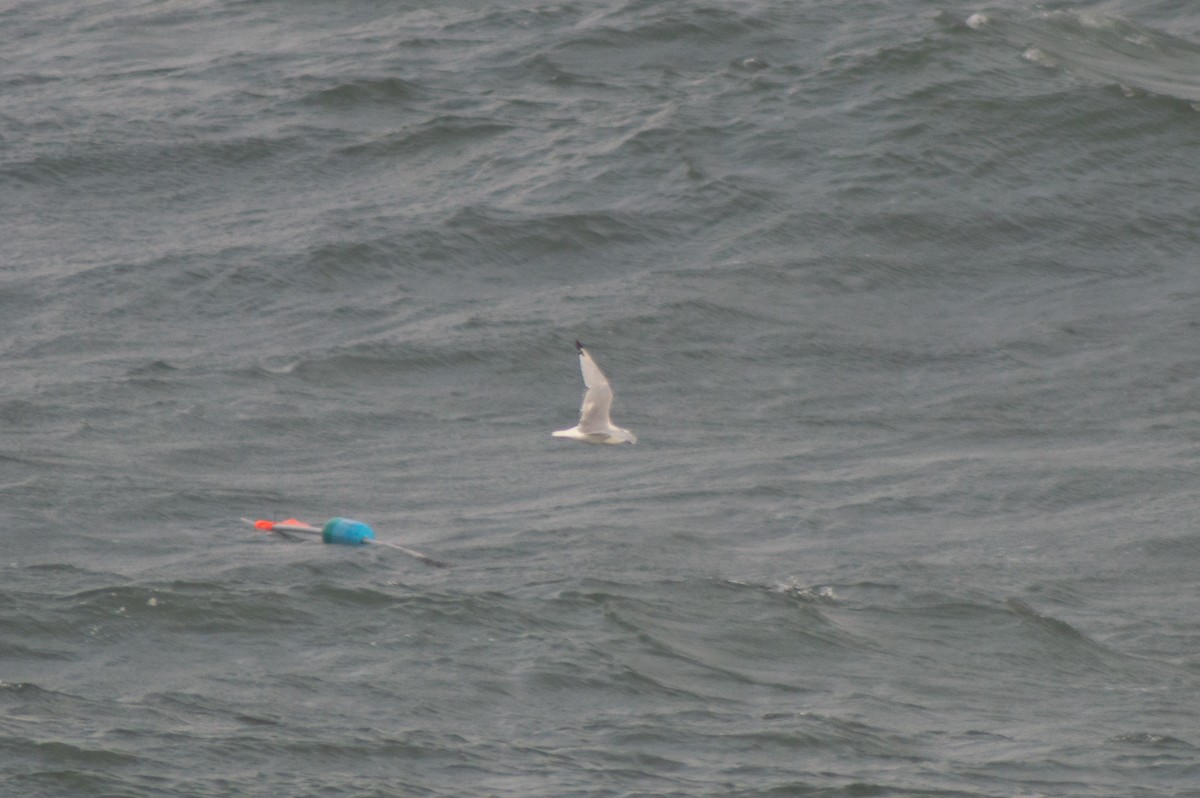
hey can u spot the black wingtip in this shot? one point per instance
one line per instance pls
(578, 346)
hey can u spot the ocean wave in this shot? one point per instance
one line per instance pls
(352, 94)
(1102, 48)
(441, 135)
(157, 163)
(110, 613)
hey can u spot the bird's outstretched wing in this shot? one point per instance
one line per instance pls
(594, 415)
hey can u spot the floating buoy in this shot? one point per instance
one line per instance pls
(345, 531)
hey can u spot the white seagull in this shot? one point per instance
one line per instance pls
(594, 424)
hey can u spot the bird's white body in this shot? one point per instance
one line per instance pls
(594, 425)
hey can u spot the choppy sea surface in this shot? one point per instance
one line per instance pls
(902, 300)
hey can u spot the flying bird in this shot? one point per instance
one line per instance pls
(594, 425)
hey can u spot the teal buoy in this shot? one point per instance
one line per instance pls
(346, 531)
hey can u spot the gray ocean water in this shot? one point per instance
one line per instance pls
(901, 299)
